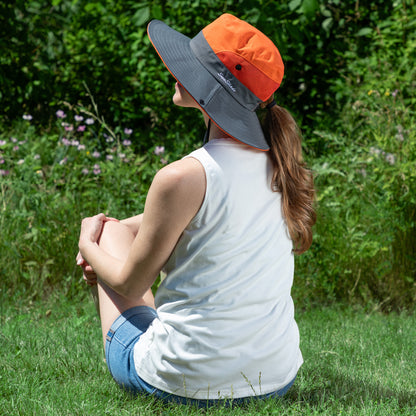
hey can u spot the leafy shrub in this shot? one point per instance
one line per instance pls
(49, 183)
(365, 242)
(350, 73)
(55, 47)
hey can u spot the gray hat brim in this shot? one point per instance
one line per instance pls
(211, 93)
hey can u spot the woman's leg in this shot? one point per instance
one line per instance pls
(116, 239)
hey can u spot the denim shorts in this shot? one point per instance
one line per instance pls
(119, 350)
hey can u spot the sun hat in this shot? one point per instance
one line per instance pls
(228, 68)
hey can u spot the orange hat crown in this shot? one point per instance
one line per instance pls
(247, 53)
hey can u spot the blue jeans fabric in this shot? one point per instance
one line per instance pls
(121, 338)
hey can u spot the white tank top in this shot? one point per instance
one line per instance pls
(225, 325)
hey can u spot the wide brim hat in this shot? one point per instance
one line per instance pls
(229, 69)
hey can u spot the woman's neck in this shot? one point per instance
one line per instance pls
(214, 131)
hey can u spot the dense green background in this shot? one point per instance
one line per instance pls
(350, 81)
(51, 48)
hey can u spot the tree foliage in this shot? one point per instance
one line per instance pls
(51, 49)
(350, 80)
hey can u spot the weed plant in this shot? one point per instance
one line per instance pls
(364, 161)
(50, 181)
(365, 166)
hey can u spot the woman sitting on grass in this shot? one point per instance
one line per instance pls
(224, 224)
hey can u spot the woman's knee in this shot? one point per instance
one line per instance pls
(115, 235)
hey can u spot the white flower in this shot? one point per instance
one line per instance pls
(390, 158)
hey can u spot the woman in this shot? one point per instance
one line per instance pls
(224, 224)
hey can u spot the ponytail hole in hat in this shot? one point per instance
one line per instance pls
(238, 67)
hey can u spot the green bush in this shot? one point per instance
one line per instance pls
(50, 49)
(50, 182)
(365, 241)
(350, 73)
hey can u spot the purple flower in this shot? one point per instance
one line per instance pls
(74, 143)
(159, 150)
(27, 117)
(89, 121)
(81, 147)
(13, 139)
(15, 148)
(85, 171)
(63, 161)
(69, 128)
(126, 142)
(2, 161)
(163, 161)
(394, 93)
(78, 118)
(97, 169)
(96, 154)
(4, 172)
(65, 141)
(81, 128)
(60, 114)
(128, 131)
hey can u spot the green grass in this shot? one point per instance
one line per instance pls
(356, 363)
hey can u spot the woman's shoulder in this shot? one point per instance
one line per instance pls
(183, 179)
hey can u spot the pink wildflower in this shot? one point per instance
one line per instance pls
(60, 114)
(97, 169)
(159, 150)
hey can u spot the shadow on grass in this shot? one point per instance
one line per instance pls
(315, 390)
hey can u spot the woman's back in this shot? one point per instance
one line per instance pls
(225, 316)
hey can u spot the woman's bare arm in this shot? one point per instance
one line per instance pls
(174, 198)
(133, 223)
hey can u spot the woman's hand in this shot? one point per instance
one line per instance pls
(91, 229)
(89, 275)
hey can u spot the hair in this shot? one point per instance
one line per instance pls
(291, 177)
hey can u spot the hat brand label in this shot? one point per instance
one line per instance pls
(227, 82)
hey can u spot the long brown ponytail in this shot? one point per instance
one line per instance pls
(291, 177)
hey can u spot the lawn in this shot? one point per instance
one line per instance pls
(356, 363)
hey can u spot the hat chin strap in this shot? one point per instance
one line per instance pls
(206, 136)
